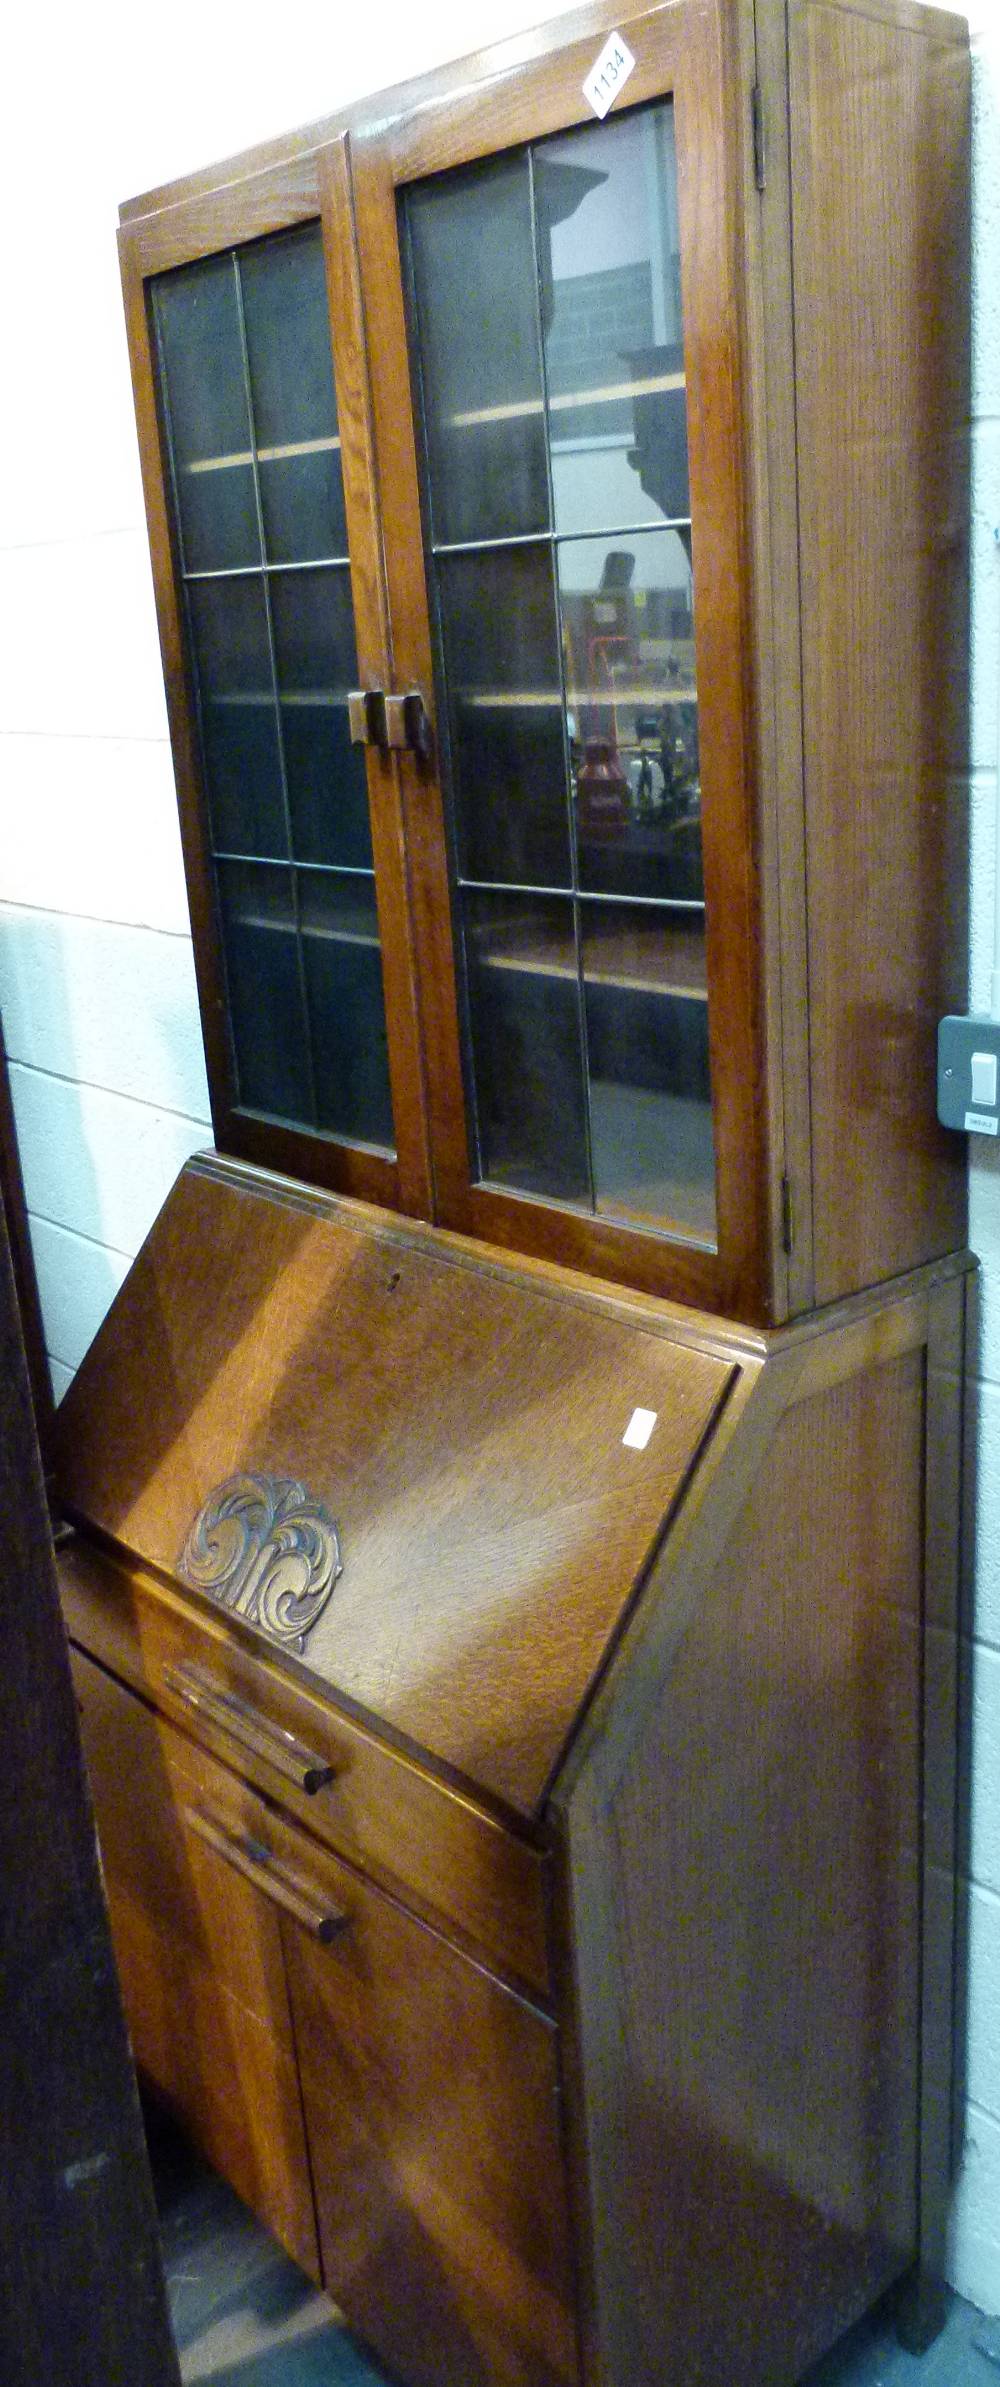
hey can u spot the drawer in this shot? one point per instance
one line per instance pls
(199, 1954)
(450, 1859)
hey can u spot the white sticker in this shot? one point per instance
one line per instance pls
(639, 1429)
(980, 1123)
(610, 74)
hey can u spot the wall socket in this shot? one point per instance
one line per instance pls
(968, 1078)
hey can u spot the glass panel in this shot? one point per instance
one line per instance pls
(238, 716)
(316, 662)
(508, 773)
(288, 337)
(245, 337)
(647, 1055)
(628, 635)
(343, 973)
(295, 408)
(197, 320)
(266, 1007)
(526, 1048)
(566, 649)
(302, 502)
(474, 282)
(610, 275)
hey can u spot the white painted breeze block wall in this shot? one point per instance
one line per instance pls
(96, 980)
(975, 2246)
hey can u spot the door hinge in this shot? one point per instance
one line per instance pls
(759, 144)
(787, 1216)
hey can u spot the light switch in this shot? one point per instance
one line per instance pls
(984, 1081)
(969, 1072)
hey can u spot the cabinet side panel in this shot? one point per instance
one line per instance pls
(879, 143)
(746, 1898)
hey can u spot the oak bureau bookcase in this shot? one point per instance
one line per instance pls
(515, 1493)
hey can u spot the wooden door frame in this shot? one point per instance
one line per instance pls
(680, 48)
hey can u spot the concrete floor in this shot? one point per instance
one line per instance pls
(245, 2317)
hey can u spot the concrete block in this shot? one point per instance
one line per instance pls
(979, 1789)
(974, 2235)
(983, 2042)
(77, 1283)
(101, 1164)
(113, 1006)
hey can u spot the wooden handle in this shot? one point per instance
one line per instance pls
(258, 1864)
(250, 1730)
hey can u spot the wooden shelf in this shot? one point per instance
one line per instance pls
(498, 700)
(668, 971)
(294, 447)
(317, 699)
(651, 385)
(305, 928)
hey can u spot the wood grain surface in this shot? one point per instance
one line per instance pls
(880, 235)
(200, 1957)
(466, 1435)
(746, 1919)
(431, 2106)
(452, 1861)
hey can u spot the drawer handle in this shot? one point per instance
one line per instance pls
(251, 1732)
(258, 1864)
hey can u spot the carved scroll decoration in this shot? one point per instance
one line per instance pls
(261, 1547)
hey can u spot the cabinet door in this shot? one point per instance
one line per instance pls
(199, 1953)
(558, 294)
(256, 457)
(430, 2093)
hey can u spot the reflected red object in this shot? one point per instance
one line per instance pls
(601, 792)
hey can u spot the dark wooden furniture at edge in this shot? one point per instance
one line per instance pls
(83, 2297)
(515, 1494)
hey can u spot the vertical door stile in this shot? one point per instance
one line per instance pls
(183, 742)
(395, 465)
(707, 186)
(375, 670)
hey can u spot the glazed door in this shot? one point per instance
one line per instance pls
(556, 291)
(271, 609)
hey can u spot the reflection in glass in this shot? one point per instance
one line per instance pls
(628, 637)
(501, 655)
(247, 381)
(198, 326)
(647, 1056)
(474, 280)
(267, 1014)
(343, 975)
(526, 1054)
(302, 502)
(316, 662)
(196, 313)
(294, 405)
(567, 660)
(288, 337)
(613, 333)
(238, 716)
